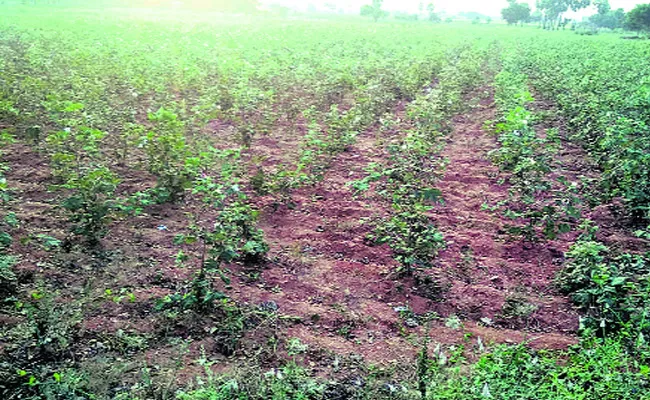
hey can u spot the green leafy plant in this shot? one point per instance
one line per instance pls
(412, 236)
(545, 207)
(72, 148)
(231, 236)
(44, 337)
(91, 203)
(8, 279)
(612, 289)
(168, 155)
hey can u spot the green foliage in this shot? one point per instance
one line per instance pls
(433, 16)
(638, 19)
(552, 11)
(412, 236)
(231, 236)
(8, 280)
(289, 382)
(603, 107)
(342, 128)
(72, 149)
(407, 179)
(547, 206)
(245, 6)
(516, 12)
(168, 155)
(86, 81)
(595, 369)
(612, 289)
(5, 191)
(74, 146)
(409, 231)
(373, 10)
(43, 339)
(91, 203)
(7, 110)
(611, 19)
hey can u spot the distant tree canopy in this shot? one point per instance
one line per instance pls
(516, 12)
(639, 18)
(606, 17)
(536, 16)
(552, 10)
(472, 15)
(403, 16)
(433, 16)
(374, 10)
(602, 6)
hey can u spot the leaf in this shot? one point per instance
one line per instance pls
(431, 194)
(5, 239)
(71, 107)
(224, 277)
(48, 242)
(11, 219)
(73, 203)
(644, 370)
(564, 227)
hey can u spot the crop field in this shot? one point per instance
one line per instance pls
(198, 206)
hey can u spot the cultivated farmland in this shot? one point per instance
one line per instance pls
(199, 206)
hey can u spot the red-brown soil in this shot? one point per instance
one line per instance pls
(321, 269)
(482, 263)
(333, 278)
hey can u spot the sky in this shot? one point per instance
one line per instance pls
(487, 7)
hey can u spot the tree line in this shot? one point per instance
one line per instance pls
(550, 14)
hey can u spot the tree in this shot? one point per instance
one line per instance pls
(373, 10)
(612, 19)
(405, 16)
(602, 6)
(639, 18)
(366, 10)
(516, 12)
(433, 16)
(552, 10)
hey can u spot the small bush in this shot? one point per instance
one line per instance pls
(91, 203)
